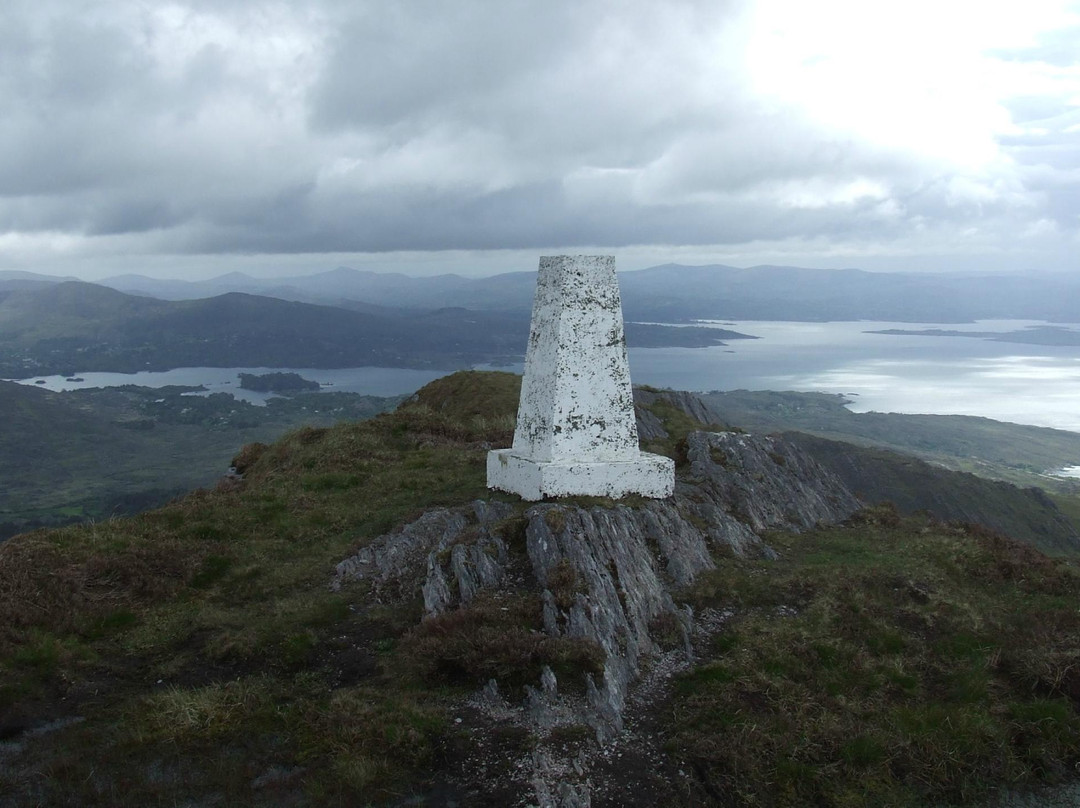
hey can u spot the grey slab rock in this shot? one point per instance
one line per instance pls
(766, 482)
(389, 558)
(689, 403)
(649, 427)
(449, 555)
(622, 563)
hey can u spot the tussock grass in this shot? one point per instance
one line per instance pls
(462, 397)
(222, 597)
(178, 714)
(59, 578)
(892, 661)
(365, 739)
(899, 662)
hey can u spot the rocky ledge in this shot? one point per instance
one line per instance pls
(609, 576)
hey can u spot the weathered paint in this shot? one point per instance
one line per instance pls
(576, 432)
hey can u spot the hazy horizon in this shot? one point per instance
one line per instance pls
(489, 267)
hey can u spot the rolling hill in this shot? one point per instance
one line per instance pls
(92, 454)
(73, 327)
(676, 293)
(1012, 452)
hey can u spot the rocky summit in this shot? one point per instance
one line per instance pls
(353, 618)
(606, 575)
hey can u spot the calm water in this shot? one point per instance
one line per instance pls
(369, 381)
(1028, 384)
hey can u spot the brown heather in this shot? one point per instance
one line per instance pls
(890, 661)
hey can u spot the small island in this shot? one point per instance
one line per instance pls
(276, 383)
(1031, 335)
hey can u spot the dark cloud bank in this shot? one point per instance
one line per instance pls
(364, 127)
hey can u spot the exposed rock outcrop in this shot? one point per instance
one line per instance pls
(877, 475)
(688, 403)
(766, 482)
(606, 575)
(649, 426)
(457, 547)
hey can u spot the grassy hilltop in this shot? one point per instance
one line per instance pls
(195, 654)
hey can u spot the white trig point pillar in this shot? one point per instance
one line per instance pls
(576, 432)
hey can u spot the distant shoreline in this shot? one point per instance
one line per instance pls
(1056, 335)
(904, 373)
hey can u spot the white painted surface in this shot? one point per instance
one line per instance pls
(649, 475)
(576, 432)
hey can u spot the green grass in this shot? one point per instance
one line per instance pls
(1069, 504)
(913, 485)
(222, 597)
(90, 463)
(890, 662)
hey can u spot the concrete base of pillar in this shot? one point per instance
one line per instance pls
(649, 475)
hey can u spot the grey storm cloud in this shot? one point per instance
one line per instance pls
(309, 127)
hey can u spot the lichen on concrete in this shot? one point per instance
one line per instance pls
(576, 432)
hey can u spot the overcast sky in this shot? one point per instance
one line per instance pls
(198, 137)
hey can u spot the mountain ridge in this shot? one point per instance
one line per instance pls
(633, 653)
(75, 327)
(682, 292)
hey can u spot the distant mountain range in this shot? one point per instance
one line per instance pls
(349, 318)
(74, 327)
(668, 293)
